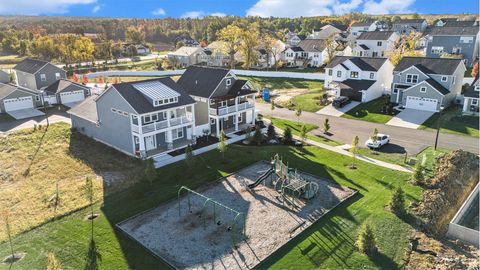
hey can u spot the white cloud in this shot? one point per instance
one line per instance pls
(193, 14)
(37, 7)
(159, 12)
(96, 8)
(305, 8)
(218, 14)
(387, 6)
(342, 8)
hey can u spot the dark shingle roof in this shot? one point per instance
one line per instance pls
(296, 49)
(87, 109)
(375, 35)
(364, 63)
(201, 81)
(30, 65)
(7, 88)
(407, 21)
(454, 31)
(64, 85)
(437, 86)
(471, 89)
(313, 45)
(361, 24)
(445, 66)
(459, 23)
(140, 103)
(356, 85)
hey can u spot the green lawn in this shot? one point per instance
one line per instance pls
(428, 159)
(369, 111)
(395, 158)
(453, 122)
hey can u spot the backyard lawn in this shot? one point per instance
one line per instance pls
(328, 244)
(453, 122)
(428, 159)
(369, 111)
(383, 155)
(304, 93)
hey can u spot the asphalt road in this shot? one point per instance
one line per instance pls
(402, 139)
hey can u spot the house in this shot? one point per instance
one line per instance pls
(460, 23)
(309, 52)
(471, 98)
(359, 78)
(13, 97)
(461, 41)
(375, 44)
(142, 118)
(37, 74)
(406, 26)
(223, 101)
(325, 32)
(292, 39)
(217, 57)
(4, 77)
(442, 21)
(65, 92)
(428, 84)
(187, 56)
(186, 41)
(295, 56)
(140, 49)
(358, 28)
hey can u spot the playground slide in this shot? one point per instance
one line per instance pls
(261, 178)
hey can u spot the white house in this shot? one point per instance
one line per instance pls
(292, 39)
(325, 32)
(187, 56)
(309, 52)
(375, 44)
(359, 78)
(358, 28)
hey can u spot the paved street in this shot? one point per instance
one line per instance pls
(343, 130)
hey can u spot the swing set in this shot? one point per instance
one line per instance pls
(237, 225)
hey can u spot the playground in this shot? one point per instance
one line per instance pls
(238, 221)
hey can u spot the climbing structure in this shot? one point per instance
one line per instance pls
(287, 182)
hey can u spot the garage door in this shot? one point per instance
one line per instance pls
(73, 96)
(18, 103)
(425, 104)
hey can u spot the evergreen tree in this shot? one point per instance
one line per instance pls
(326, 126)
(366, 241)
(287, 135)
(397, 204)
(303, 133)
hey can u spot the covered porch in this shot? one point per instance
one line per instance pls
(168, 140)
(232, 123)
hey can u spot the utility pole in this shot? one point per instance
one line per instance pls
(438, 127)
(42, 97)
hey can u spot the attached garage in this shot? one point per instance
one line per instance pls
(74, 96)
(20, 103)
(425, 104)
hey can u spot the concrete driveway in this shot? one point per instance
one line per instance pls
(410, 118)
(72, 104)
(332, 111)
(25, 113)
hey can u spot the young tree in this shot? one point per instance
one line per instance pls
(258, 136)
(271, 134)
(366, 241)
(354, 150)
(326, 126)
(150, 171)
(231, 35)
(222, 145)
(272, 106)
(375, 136)
(298, 113)
(303, 133)
(53, 263)
(397, 204)
(287, 135)
(189, 157)
(418, 177)
(6, 220)
(89, 194)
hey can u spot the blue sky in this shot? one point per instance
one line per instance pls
(199, 8)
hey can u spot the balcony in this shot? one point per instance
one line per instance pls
(161, 125)
(231, 109)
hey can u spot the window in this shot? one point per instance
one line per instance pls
(437, 49)
(37, 98)
(147, 119)
(423, 89)
(379, 43)
(177, 133)
(453, 79)
(444, 78)
(372, 75)
(456, 50)
(164, 115)
(228, 82)
(137, 140)
(114, 110)
(353, 74)
(239, 118)
(412, 78)
(474, 101)
(154, 117)
(330, 71)
(223, 104)
(57, 76)
(43, 78)
(395, 90)
(466, 39)
(339, 73)
(212, 121)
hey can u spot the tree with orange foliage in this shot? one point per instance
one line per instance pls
(475, 70)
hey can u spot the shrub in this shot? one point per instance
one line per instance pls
(418, 177)
(366, 241)
(287, 136)
(258, 136)
(189, 157)
(303, 133)
(397, 204)
(271, 134)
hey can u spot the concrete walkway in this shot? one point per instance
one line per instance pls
(410, 118)
(332, 111)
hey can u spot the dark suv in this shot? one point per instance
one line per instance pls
(339, 102)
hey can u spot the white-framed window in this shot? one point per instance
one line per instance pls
(474, 101)
(164, 115)
(212, 121)
(437, 49)
(239, 118)
(154, 117)
(466, 39)
(147, 119)
(339, 73)
(125, 114)
(330, 72)
(423, 89)
(57, 76)
(395, 90)
(43, 77)
(353, 74)
(228, 82)
(379, 43)
(223, 103)
(444, 78)
(456, 50)
(411, 78)
(177, 133)
(372, 75)
(136, 139)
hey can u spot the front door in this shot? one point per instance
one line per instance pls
(150, 142)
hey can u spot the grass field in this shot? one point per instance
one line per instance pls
(395, 158)
(369, 111)
(428, 159)
(328, 244)
(453, 122)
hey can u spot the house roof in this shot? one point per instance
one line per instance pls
(447, 19)
(29, 65)
(136, 98)
(215, 45)
(87, 109)
(456, 23)
(471, 89)
(186, 51)
(407, 21)
(201, 81)
(296, 49)
(454, 31)
(375, 35)
(437, 86)
(313, 45)
(236, 90)
(361, 24)
(364, 63)
(64, 85)
(446, 66)
(7, 88)
(356, 85)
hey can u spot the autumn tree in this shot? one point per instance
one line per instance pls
(248, 45)
(104, 50)
(274, 49)
(222, 144)
(135, 35)
(331, 48)
(44, 48)
(231, 35)
(405, 46)
(83, 49)
(475, 70)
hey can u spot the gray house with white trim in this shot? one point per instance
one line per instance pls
(406, 26)
(37, 74)
(142, 119)
(429, 84)
(65, 92)
(13, 97)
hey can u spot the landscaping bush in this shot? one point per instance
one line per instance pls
(258, 136)
(287, 136)
(366, 241)
(271, 134)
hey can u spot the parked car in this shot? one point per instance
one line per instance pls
(382, 139)
(340, 102)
